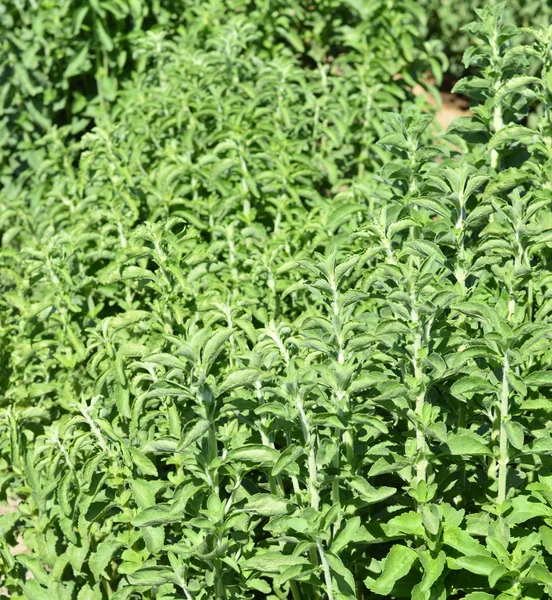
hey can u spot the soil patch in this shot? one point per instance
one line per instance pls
(451, 106)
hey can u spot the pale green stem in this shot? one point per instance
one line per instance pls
(212, 453)
(421, 460)
(296, 487)
(219, 586)
(460, 267)
(495, 434)
(95, 430)
(326, 570)
(186, 591)
(503, 442)
(498, 119)
(313, 471)
(498, 124)
(335, 483)
(276, 485)
(314, 561)
(295, 590)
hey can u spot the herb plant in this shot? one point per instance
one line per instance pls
(266, 332)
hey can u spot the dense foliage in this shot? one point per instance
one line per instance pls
(265, 332)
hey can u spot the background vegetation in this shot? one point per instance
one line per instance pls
(265, 331)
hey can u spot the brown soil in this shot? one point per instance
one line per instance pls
(451, 106)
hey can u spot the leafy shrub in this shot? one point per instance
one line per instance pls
(62, 62)
(250, 351)
(448, 20)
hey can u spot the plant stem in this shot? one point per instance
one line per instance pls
(460, 270)
(335, 483)
(276, 485)
(212, 454)
(498, 119)
(295, 590)
(219, 586)
(313, 471)
(186, 591)
(314, 561)
(503, 442)
(421, 460)
(326, 570)
(498, 124)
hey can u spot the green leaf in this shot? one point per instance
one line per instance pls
(546, 537)
(143, 462)
(542, 445)
(346, 535)
(161, 446)
(105, 39)
(471, 86)
(397, 565)
(341, 214)
(99, 559)
(34, 591)
(337, 567)
(467, 445)
(539, 379)
(514, 432)
(259, 585)
(369, 493)
(156, 515)
(167, 360)
(513, 134)
(506, 180)
(214, 347)
(496, 574)
(366, 381)
(128, 318)
(525, 508)
(35, 566)
(152, 576)
(478, 564)
(409, 522)
(154, 538)
(537, 404)
(541, 574)
(197, 431)
(239, 379)
(471, 385)
(431, 518)
(78, 63)
(292, 37)
(88, 593)
(267, 505)
(433, 569)
(287, 457)
(516, 84)
(254, 453)
(272, 562)
(295, 572)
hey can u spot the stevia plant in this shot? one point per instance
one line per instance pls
(509, 345)
(63, 64)
(249, 353)
(448, 21)
(90, 298)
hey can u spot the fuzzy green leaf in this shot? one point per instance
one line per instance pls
(397, 565)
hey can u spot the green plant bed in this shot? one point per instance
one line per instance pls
(265, 334)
